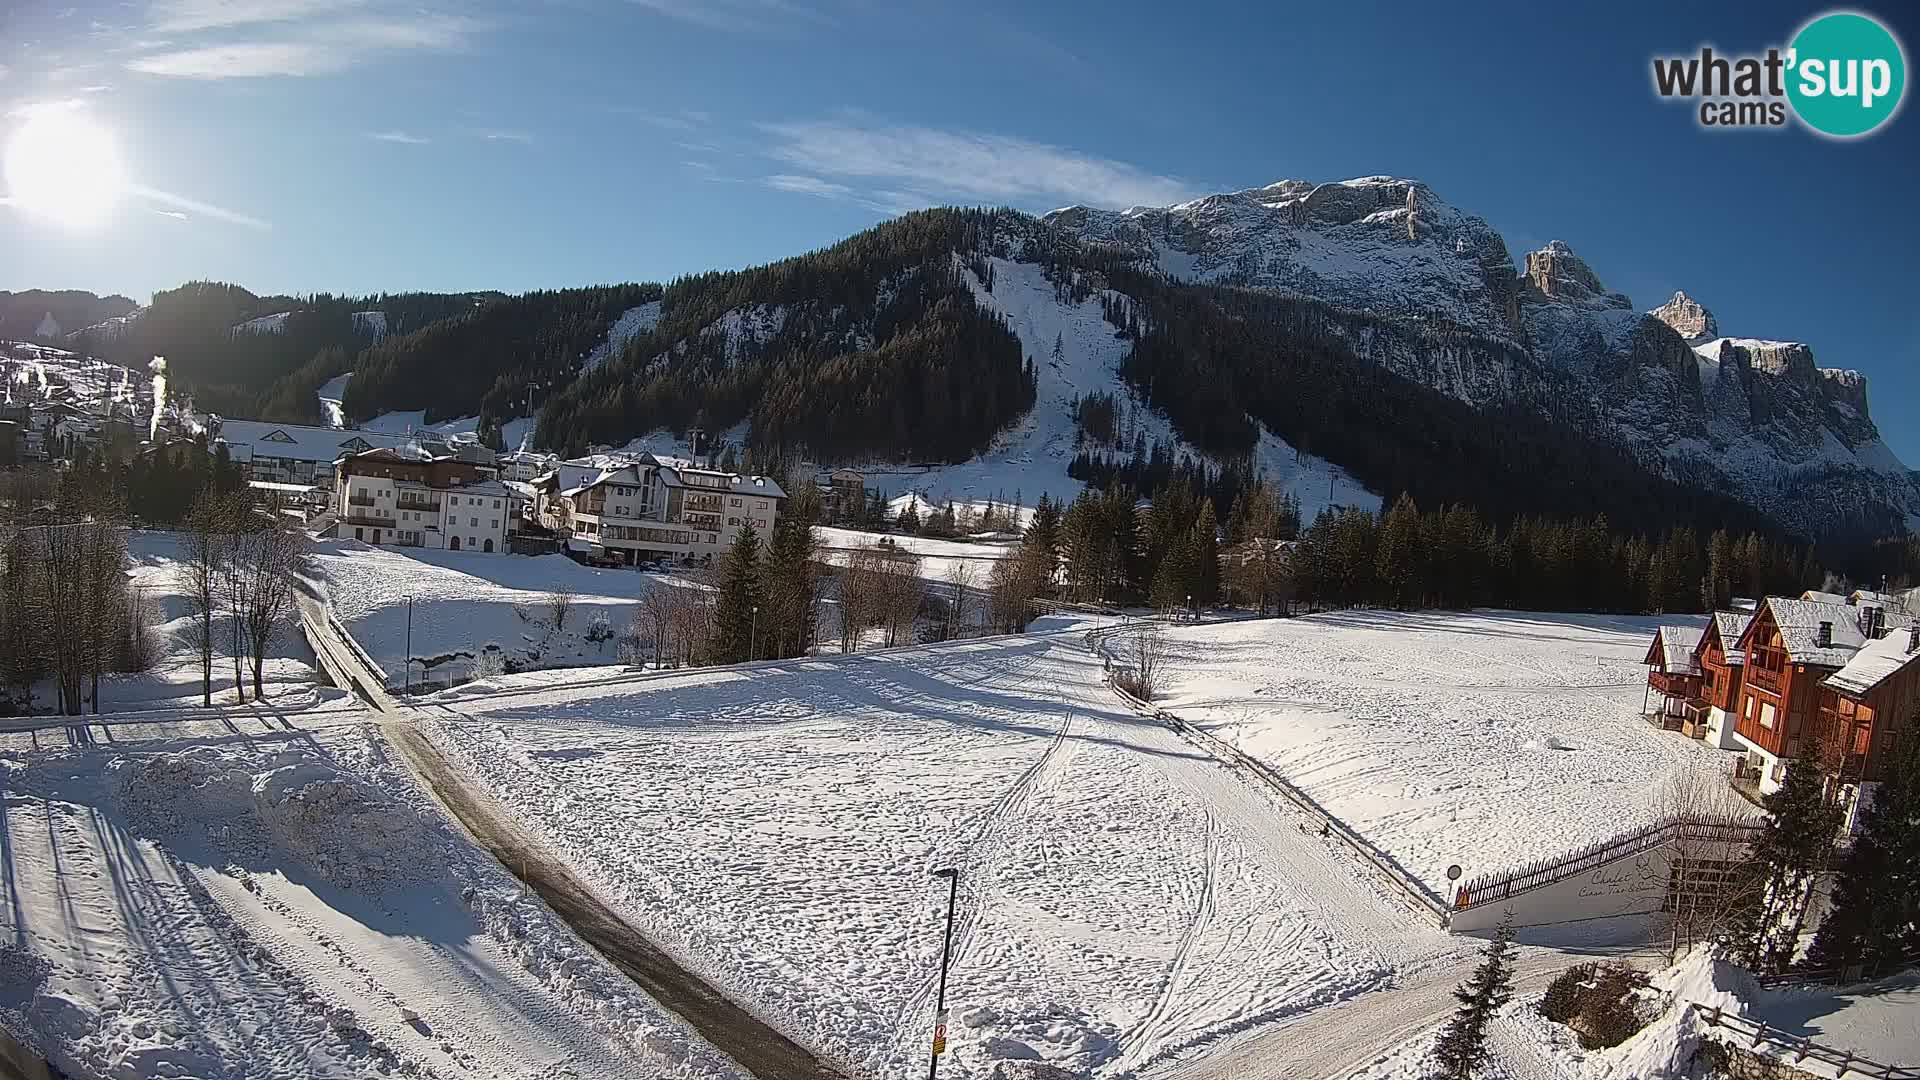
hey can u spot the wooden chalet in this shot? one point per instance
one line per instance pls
(1674, 673)
(1861, 709)
(1723, 667)
(1792, 646)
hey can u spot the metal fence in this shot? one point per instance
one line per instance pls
(1494, 888)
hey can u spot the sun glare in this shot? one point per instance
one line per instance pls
(62, 166)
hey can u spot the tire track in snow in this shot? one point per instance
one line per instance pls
(979, 894)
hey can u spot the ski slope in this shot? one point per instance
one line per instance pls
(1032, 457)
(1484, 739)
(1124, 899)
(269, 897)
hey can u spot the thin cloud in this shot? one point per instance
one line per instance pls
(405, 138)
(809, 185)
(177, 215)
(735, 16)
(248, 60)
(966, 166)
(885, 202)
(504, 135)
(194, 206)
(308, 37)
(188, 16)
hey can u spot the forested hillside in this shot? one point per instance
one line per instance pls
(230, 349)
(485, 361)
(873, 347)
(24, 314)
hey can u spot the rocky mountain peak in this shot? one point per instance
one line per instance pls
(1688, 318)
(1559, 275)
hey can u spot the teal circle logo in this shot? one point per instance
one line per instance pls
(1847, 74)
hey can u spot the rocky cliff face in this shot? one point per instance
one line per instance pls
(1688, 318)
(1751, 416)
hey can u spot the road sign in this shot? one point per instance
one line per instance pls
(939, 1038)
(1453, 872)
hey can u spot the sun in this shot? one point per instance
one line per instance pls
(62, 166)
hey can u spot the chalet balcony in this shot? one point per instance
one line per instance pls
(1766, 678)
(360, 500)
(1683, 686)
(708, 503)
(406, 503)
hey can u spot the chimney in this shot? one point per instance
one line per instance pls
(1824, 638)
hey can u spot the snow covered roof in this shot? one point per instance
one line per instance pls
(1728, 626)
(1818, 597)
(1875, 663)
(1673, 648)
(299, 442)
(1799, 622)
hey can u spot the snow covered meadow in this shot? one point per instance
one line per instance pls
(1123, 898)
(1485, 738)
(465, 601)
(265, 898)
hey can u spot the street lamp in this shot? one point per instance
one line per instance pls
(753, 632)
(407, 679)
(946, 956)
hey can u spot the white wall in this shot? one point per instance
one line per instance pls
(1634, 885)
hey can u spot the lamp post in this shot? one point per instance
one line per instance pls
(753, 632)
(407, 679)
(946, 956)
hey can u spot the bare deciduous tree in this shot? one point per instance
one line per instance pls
(1012, 586)
(1144, 651)
(203, 551)
(963, 583)
(1706, 893)
(268, 562)
(559, 606)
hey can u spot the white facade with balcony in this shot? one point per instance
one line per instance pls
(659, 509)
(409, 513)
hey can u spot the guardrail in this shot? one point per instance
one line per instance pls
(1392, 875)
(1804, 1048)
(1834, 976)
(1493, 888)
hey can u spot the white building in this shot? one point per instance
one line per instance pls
(654, 508)
(410, 498)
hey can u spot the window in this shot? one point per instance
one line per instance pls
(733, 502)
(494, 524)
(1766, 715)
(472, 541)
(496, 504)
(473, 522)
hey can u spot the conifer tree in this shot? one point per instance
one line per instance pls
(733, 616)
(1874, 923)
(1781, 869)
(1463, 1045)
(1716, 590)
(1397, 562)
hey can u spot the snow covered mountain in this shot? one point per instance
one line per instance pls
(1756, 419)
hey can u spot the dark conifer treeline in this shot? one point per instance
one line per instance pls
(243, 373)
(488, 361)
(871, 348)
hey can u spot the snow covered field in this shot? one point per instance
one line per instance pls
(1124, 899)
(464, 601)
(265, 900)
(937, 557)
(1484, 739)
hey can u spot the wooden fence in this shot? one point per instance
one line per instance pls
(1396, 879)
(1802, 1048)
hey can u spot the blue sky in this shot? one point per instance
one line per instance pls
(369, 145)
